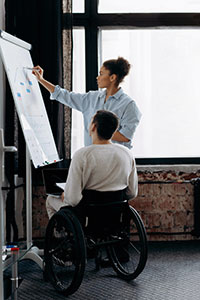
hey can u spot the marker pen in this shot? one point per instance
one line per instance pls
(28, 68)
(11, 249)
(32, 69)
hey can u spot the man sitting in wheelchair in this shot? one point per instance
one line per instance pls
(93, 212)
(102, 166)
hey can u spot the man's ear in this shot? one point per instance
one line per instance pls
(93, 127)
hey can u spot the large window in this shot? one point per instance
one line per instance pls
(148, 6)
(164, 81)
(78, 6)
(162, 43)
(78, 86)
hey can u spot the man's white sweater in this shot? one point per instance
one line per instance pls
(106, 167)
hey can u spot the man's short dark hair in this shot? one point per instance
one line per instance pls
(106, 123)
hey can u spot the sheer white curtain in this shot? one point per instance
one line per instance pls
(77, 140)
(150, 6)
(164, 82)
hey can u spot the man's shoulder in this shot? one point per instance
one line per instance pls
(122, 149)
(83, 151)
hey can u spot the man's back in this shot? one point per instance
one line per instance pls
(106, 167)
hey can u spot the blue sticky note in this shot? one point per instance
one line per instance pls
(30, 82)
(21, 83)
(18, 94)
(28, 91)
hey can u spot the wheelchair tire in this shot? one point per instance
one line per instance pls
(129, 257)
(65, 252)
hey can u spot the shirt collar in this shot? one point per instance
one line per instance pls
(116, 95)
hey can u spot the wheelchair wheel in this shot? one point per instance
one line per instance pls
(129, 255)
(65, 252)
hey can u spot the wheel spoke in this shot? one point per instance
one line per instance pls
(65, 253)
(129, 260)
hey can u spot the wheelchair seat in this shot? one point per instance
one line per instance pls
(102, 220)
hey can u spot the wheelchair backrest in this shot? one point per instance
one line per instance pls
(103, 209)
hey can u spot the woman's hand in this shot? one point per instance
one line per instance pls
(38, 72)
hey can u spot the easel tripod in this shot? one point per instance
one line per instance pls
(30, 252)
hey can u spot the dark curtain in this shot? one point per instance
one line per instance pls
(39, 23)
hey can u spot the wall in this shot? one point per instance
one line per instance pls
(2, 75)
(165, 202)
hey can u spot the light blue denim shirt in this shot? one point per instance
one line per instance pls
(88, 103)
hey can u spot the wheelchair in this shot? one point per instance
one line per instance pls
(102, 221)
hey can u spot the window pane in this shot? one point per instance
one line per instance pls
(78, 6)
(130, 6)
(164, 82)
(78, 86)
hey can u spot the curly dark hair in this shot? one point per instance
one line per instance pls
(120, 67)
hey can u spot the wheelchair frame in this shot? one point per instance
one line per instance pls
(122, 234)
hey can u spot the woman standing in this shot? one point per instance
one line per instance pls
(112, 98)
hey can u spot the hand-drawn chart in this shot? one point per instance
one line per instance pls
(29, 103)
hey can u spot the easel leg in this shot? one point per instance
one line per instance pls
(34, 251)
(15, 279)
(28, 200)
(1, 213)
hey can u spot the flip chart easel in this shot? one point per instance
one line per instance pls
(40, 145)
(30, 252)
(29, 103)
(3, 149)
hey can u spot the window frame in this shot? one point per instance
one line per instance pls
(91, 20)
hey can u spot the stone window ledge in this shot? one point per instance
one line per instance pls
(165, 168)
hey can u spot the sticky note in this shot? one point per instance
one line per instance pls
(28, 91)
(18, 95)
(30, 82)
